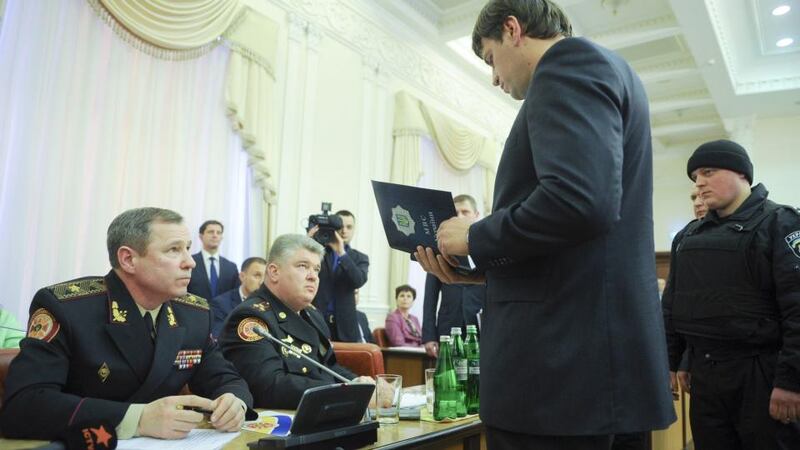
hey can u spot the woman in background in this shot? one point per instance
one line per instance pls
(402, 328)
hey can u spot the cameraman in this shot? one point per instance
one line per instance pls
(344, 269)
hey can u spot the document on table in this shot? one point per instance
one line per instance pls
(196, 440)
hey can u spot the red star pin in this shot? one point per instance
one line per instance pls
(101, 435)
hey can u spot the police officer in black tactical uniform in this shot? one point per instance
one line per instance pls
(282, 306)
(733, 298)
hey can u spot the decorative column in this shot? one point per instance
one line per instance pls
(286, 207)
(314, 39)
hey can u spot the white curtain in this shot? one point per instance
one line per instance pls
(438, 174)
(90, 127)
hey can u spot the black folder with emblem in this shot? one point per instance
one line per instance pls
(411, 215)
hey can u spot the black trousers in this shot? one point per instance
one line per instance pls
(632, 441)
(497, 439)
(730, 404)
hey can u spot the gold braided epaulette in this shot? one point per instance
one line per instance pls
(193, 300)
(71, 290)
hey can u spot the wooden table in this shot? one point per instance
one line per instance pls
(410, 362)
(466, 434)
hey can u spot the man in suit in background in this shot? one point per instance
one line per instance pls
(251, 277)
(571, 322)
(120, 348)
(344, 269)
(212, 273)
(365, 334)
(460, 302)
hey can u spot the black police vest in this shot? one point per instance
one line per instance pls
(716, 295)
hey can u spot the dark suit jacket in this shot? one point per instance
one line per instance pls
(363, 323)
(221, 306)
(459, 307)
(228, 277)
(276, 377)
(572, 321)
(340, 286)
(98, 358)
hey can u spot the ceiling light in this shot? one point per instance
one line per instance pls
(785, 42)
(781, 10)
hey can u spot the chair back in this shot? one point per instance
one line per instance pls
(380, 337)
(360, 358)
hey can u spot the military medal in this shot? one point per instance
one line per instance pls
(187, 359)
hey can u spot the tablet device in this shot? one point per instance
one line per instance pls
(333, 406)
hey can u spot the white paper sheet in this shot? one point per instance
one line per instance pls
(196, 440)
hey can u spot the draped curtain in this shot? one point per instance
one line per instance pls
(91, 126)
(190, 28)
(462, 154)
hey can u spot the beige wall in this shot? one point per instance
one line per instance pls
(774, 150)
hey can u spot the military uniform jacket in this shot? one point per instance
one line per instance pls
(88, 356)
(276, 377)
(765, 265)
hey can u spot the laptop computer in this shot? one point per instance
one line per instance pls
(411, 215)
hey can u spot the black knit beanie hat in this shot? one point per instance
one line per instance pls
(721, 154)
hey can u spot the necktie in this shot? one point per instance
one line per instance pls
(214, 278)
(148, 321)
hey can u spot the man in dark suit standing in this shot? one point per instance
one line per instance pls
(571, 325)
(364, 333)
(344, 269)
(251, 277)
(460, 302)
(212, 273)
(120, 348)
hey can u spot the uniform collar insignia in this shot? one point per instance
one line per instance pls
(118, 315)
(171, 317)
(103, 372)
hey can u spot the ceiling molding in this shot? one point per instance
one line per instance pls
(657, 76)
(678, 104)
(670, 130)
(359, 25)
(638, 33)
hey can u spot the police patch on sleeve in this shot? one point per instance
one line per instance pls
(246, 330)
(793, 241)
(43, 325)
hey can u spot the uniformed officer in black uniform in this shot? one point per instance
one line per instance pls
(734, 299)
(120, 348)
(282, 306)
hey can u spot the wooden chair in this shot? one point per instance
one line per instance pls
(380, 337)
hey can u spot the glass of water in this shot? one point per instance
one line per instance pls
(389, 388)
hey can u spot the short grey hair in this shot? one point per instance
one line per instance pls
(287, 244)
(132, 229)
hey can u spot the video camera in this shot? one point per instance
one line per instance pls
(328, 224)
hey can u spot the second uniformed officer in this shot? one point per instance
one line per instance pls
(278, 378)
(734, 298)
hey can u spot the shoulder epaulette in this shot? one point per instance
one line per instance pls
(193, 300)
(71, 290)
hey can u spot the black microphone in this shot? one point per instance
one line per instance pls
(93, 435)
(262, 332)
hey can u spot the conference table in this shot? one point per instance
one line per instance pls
(466, 433)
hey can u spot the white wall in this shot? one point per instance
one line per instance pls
(774, 149)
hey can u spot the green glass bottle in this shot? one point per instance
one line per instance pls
(460, 366)
(473, 350)
(445, 385)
